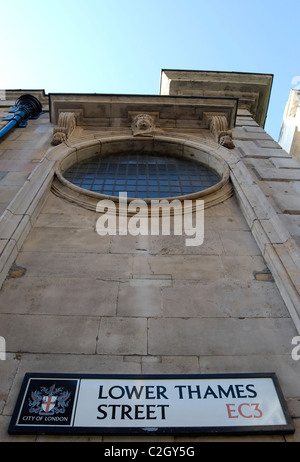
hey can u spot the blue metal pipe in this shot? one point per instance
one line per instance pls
(7, 128)
(26, 107)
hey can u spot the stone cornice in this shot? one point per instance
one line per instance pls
(252, 90)
(191, 113)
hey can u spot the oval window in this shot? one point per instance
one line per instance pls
(141, 175)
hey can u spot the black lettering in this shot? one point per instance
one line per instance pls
(102, 411)
(150, 411)
(126, 409)
(100, 396)
(114, 407)
(134, 391)
(254, 394)
(229, 392)
(197, 392)
(161, 392)
(149, 391)
(180, 390)
(240, 389)
(209, 391)
(139, 411)
(163, 406)
(113, 395)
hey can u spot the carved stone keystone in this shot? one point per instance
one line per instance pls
(142, 124)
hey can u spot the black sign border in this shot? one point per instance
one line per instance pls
(15, 429)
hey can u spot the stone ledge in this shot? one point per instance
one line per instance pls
(21, 213)
(8, 255)
(285, 163)
(277, 174)
(278, 248)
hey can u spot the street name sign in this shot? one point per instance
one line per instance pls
(150, 404)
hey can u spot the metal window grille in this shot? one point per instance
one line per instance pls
(141, 175)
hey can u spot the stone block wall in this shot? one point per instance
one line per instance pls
(72, 301)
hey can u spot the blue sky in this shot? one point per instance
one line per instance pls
(120, 46)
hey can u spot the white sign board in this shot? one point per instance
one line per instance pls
(191, 404)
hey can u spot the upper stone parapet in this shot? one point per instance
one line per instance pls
(252, 90)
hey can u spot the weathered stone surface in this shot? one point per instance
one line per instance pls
(286, 163)
(139, 300)
(191, 336)
(149, 304)
(223, 299)
(278, 174)
(99, 265)
(122, 336)
(57, 296)
(50, 334)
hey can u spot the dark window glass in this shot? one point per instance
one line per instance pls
(141, 175)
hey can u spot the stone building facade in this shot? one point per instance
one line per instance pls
(74, 302)
(289, 137)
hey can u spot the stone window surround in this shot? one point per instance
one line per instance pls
(162, 145)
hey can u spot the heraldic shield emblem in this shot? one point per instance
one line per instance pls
(48, 402)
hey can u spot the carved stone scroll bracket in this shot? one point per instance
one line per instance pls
(143, 125)
(66, 125)
(219, 128)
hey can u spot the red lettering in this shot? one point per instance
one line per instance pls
(252, 410)
(231, 411)
(258, 410)
(241, 412)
